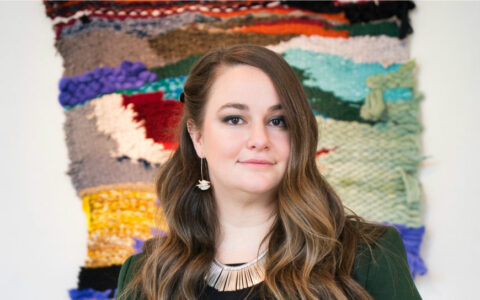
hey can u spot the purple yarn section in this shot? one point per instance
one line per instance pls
(138, 243)
(412, 239)
(158, 232)
(90, 294)
(103, 80)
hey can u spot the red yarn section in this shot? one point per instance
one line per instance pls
(159, 117)
(324, 151)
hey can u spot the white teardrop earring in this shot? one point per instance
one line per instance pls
(202, 184)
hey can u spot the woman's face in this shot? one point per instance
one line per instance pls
(244, 122)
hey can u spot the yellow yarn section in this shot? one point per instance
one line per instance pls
(86, 209)
(114, 218)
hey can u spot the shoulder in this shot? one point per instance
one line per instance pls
(129, 269)
(133, 265)
(381, 267)
(129, 265)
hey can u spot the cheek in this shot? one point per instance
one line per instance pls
(221, 142)
(282, 144)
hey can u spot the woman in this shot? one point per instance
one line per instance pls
(261, 222)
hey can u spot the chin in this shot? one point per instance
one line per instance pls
(257, 187)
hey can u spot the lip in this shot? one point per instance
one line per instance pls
(257, 162)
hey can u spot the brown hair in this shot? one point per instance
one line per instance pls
(312, 242)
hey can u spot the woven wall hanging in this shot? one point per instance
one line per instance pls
(125, 64)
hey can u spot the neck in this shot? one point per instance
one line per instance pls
(245, 220)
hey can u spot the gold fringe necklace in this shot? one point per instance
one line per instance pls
(231, 278)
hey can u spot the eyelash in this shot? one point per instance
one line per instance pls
(229, 118)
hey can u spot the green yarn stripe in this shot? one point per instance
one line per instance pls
(179, 68)
(360, 29)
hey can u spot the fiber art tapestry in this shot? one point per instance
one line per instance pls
(125, 64)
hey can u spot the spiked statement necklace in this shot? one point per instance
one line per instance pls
(231, 278)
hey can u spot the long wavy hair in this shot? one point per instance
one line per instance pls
(312, 242)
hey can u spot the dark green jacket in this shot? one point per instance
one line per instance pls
(384, 272)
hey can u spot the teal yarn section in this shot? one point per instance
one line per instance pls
(333, 73)
(328, 105)
(171, 88)
(397, 94)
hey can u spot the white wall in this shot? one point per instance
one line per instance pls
(446, 46)
(42, 225)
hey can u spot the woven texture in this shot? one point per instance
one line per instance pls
(125, 64)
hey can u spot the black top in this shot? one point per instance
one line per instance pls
(212, 294)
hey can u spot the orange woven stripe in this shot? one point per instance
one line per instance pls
(306, 29)
(339, 17)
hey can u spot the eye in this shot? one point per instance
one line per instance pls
(278, 122)
(232, 120)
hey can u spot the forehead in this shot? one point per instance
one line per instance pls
(242, 84)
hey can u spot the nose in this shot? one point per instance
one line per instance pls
(258, 138)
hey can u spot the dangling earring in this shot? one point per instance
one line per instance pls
(203, 184)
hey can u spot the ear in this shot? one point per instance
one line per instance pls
(197, 138)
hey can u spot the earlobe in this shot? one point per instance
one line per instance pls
(196, 137)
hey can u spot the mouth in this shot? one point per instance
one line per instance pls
(259, 162)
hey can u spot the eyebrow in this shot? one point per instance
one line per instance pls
(245, 107)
